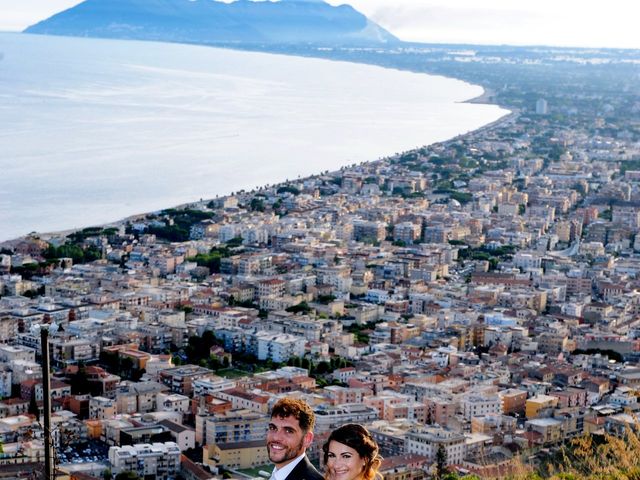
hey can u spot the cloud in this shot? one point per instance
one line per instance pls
(16, 15)
(546, 22)
(456, 24)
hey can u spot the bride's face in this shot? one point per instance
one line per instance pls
(343, 462)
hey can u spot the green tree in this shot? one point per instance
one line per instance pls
(441, 462)
(322, 368)
(606, 214)
(127, 476)
(326, 299)
(214, 363)
(136, 374)
(126, 367)
(257, 204)
(33, 405)
(302, 307)
(462, 197)
(289, 189)
(187, 309)
(110, 361)
(80, 382)
(75, 252)
(213, 259)
(234, 242)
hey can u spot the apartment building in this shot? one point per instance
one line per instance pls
(160, 461)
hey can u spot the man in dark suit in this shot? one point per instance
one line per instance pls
(289, 435)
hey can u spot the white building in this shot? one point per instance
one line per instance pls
(255, 235)
(377, 296)
(211, 385)
(101, 408)
(25, 370)
(185, 437)
(158, 460)
(495, 335)
(480, 405)
(172, 402)
(329, 417)
(228, 232)
(624, 397)
(279, 347)
(5, 381)
(9, 353)
(542, 107)
(527, 261)
(426, 440)
(406, 232)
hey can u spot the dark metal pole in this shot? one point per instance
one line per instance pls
(46, 391)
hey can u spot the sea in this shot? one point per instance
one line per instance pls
(92, 131)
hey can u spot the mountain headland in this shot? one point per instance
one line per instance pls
(208, 22)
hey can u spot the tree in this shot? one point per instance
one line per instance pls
(326, 299)
(127, 476)
(213, 259)
(322, 368)
(257, 204)
(33, 405)
(294, 362)
(187, 309)
(213, 363)
(441, 462)
(289, 189)
(80, 381)
(110, 361)
(302, 307)
(234, 242)
(126, 366)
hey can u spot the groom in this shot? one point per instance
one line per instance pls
(289, 435)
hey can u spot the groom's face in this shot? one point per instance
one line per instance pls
(286, 440)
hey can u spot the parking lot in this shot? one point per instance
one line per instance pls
(91, 451)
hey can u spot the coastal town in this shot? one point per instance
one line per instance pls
(474, 302)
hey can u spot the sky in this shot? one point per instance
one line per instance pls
(580, 23)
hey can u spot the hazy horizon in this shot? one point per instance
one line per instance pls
(571, 23)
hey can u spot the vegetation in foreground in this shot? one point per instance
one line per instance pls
(588, 457)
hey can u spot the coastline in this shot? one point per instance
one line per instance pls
(485, 98)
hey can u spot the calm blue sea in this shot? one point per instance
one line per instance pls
(92, 131)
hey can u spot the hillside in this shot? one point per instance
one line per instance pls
(207, 21)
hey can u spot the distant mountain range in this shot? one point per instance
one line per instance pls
(211, 21)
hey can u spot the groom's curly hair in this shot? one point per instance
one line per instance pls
(298, 409)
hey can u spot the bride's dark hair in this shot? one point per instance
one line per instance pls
(356, 436)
